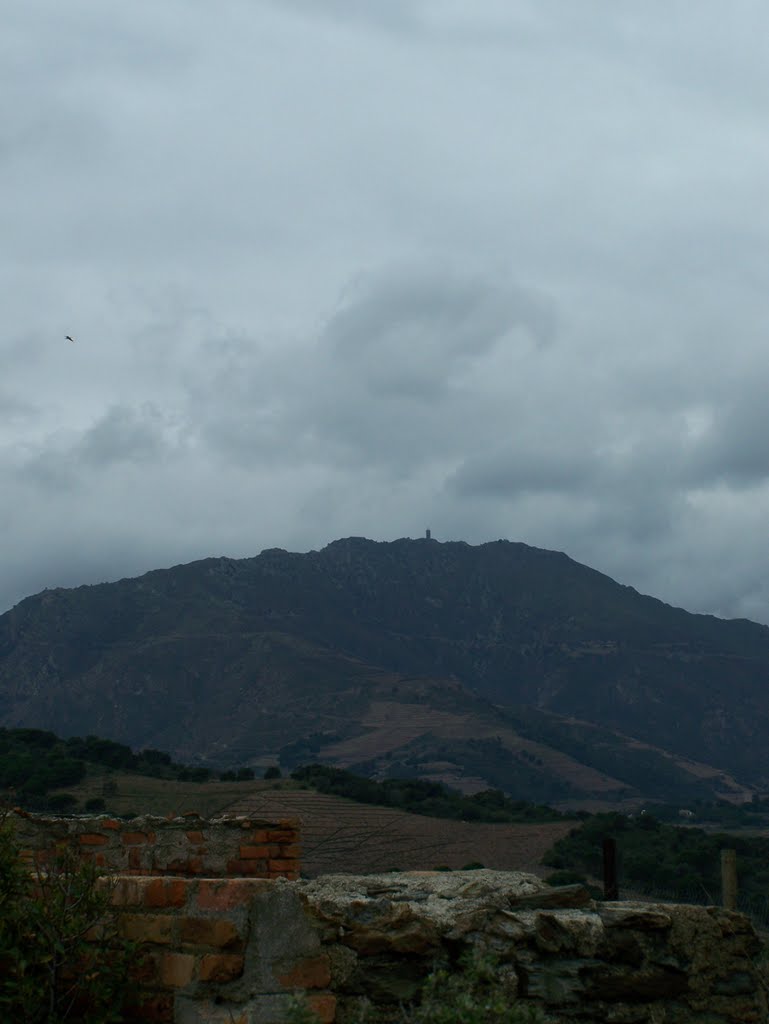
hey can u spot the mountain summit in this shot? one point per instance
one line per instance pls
(478, 664)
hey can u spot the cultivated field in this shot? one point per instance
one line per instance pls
(340, 835)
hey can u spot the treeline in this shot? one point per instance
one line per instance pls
(655, 857)
(33, 762)
(423, 797)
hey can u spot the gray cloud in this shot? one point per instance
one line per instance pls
(364, 268)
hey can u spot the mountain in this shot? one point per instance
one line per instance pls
(498, 664)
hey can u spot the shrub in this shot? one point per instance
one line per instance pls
(61, 958)
(273, 772)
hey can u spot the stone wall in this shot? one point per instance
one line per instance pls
(231, 951)
(188, 845)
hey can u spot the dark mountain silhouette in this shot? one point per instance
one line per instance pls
(499, 664)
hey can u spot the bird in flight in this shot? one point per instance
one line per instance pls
(67, 338)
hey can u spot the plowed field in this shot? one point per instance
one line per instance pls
(340, 835)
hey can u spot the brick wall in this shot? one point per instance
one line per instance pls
(221, 951)
(234, 847)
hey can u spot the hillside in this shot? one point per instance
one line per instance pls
(499, 665)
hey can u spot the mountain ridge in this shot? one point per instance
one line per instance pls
(221, 657)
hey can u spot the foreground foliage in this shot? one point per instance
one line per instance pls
(60, 956)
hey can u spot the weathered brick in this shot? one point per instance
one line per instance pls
(312, 972)
(290, 851)
(261, 835)
(165, 892)
(185, 866)
(111, 824)
(128, 892)
(155, 928)
(220, 966)
(195, 837)
(134, 858)
(282, 865)
(258, 852)
(229, 892)
(209, 931)
(137, 838)
(281, 836)
(176, 969)
(323, 1004)
(246, 867)
(92, 839)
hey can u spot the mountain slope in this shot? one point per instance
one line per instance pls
(233, 659)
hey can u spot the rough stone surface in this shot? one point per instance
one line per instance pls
(344, 940)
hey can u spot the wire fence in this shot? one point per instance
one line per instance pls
(753, 905)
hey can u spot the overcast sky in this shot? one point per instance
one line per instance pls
(499, 268)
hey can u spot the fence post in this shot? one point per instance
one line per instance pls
(610, 884)
(729, 879)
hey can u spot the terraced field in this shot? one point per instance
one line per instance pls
(340, 835)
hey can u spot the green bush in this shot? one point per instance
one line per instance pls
(61, 959)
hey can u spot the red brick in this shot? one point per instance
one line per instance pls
(282, 865)
(323, 1004)
(261, 835)
(165, 892)
(229, 893)
(127, 892)
(246, 867)
(290, 850)
(282, 836)
(195, 837)
(209, 931)
(313, 972)
(137, 838)
(176, 969)
(155, 928)
(112, 824)
(258, 852)
(92, 839)
(135, 858)
(221, 967)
